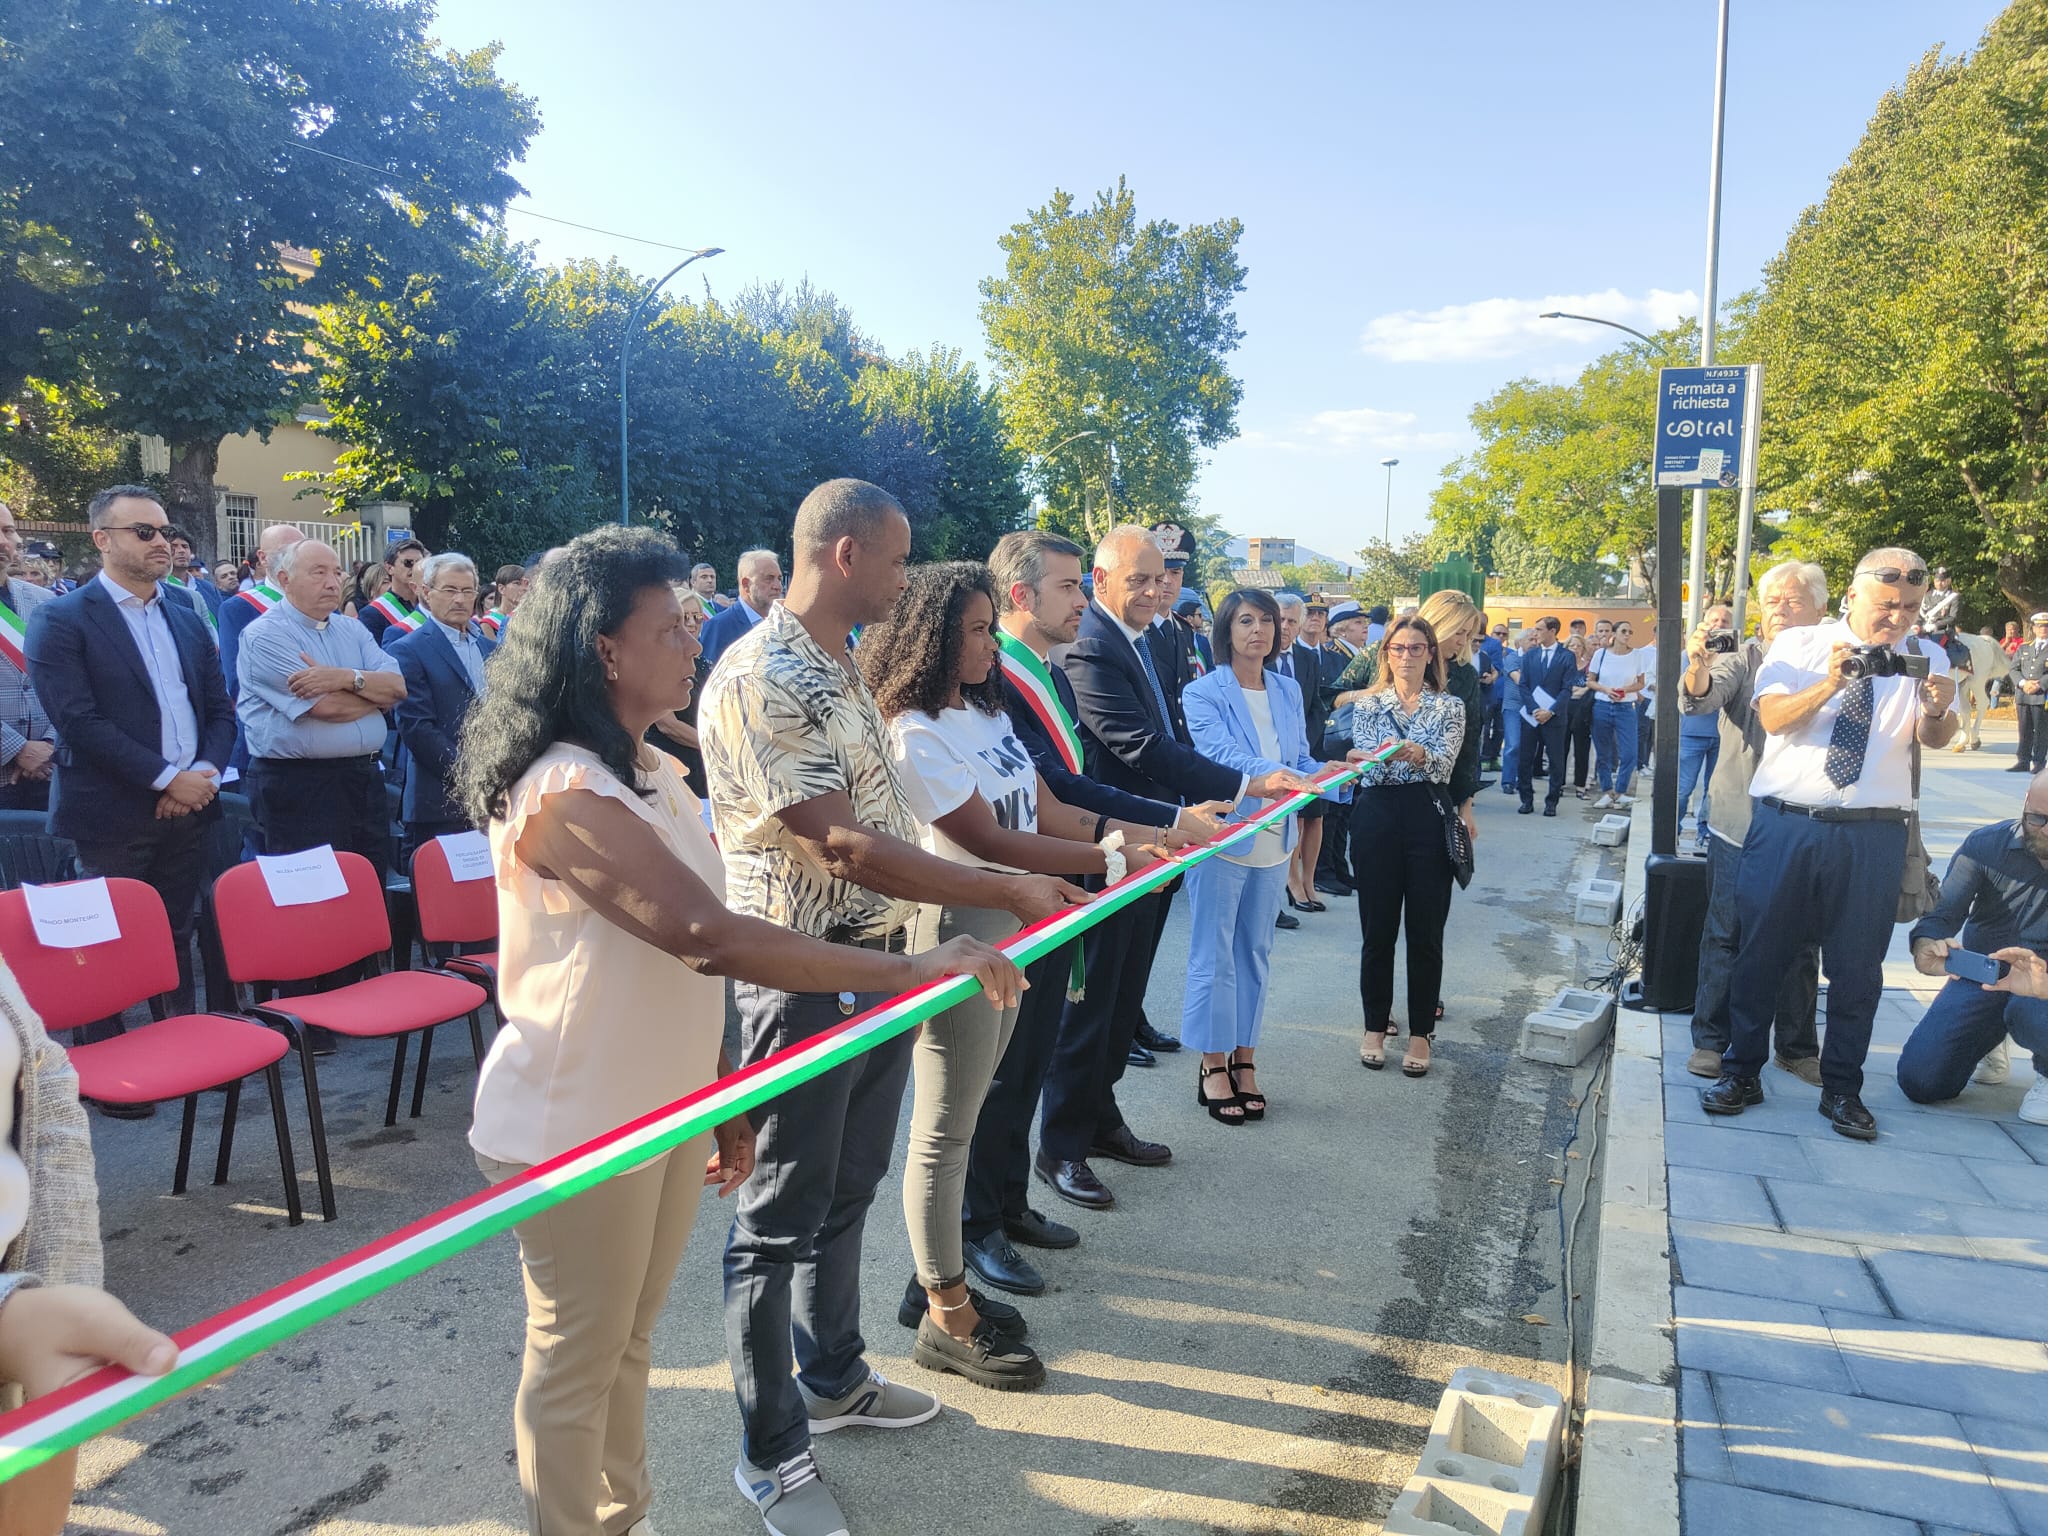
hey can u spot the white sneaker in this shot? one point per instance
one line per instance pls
(877, 1403)
(2034, 1107)
(792, 1501)
(1604, 802)
(1996, 1067)
(1622, 802)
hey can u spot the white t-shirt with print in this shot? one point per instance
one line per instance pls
(1609, 670)
(944, 758)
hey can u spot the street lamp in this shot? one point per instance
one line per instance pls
(1387, 530)
(626, 351)
(1558, 314)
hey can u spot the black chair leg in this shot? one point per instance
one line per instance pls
(274, 1080)
(228, 1112)
(397, 1082)
(185, 1144)
(419, 1079)
(476, 1035)
(317, 1123)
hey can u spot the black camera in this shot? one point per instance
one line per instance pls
(1721, 641)
(1881, 661)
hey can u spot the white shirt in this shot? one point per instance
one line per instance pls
(1270, 846)
(1612, 670)
(1649, 655)
(145, 619)
(1794, 765)
(467, 651)
(943, 760)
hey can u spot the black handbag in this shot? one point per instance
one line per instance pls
(1457, 841)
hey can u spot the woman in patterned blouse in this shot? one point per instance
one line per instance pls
(1397, 835)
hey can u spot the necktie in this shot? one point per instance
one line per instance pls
(1286, 665)
(1852, 734)
(1152, 677)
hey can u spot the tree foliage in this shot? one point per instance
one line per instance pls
(1110, 341)
(1904, 329)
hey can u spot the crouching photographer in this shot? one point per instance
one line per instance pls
(1841, 709)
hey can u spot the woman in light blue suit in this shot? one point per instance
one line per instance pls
(1250, 718)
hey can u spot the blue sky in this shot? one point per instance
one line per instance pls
(1416, 180)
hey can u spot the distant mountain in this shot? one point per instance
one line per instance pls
(1238, 550)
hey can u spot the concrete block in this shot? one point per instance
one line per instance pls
(1431, 1506)
(1610, 831)
(1565, 1030)
(1498, 1433)
(1600, 903)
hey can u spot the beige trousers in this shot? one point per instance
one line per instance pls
(597, 1271)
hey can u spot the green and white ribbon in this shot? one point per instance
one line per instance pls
(111, 1396)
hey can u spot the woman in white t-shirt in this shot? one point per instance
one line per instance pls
(932, 667)
(1617, 676)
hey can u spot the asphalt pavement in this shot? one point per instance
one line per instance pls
(1253, 1341)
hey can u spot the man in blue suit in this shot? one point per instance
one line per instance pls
(760, 584)
(442, 662)
(1550, 666)
(133, 685)
(1492, 662)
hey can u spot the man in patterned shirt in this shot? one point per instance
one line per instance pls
(818, 837)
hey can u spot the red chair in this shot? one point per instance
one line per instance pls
(176, 1058)
(455, 911)
(265, 945)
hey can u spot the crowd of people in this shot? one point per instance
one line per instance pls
(862, 775)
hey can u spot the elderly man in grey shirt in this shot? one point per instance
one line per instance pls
(1789, 596)
(314, 689)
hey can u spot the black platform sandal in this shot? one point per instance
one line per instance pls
(1253, 1104)
(1220, 1110)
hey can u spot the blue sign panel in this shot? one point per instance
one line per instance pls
(1701, 417)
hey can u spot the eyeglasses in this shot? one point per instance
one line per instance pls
(1409, 650)
(2038, 820)
(1892, 576)
(455, 591)
(146, 532)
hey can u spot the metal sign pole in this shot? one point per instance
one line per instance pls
(1670, 656)
(1752, 449)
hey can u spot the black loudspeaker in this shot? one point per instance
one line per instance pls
(1674, 914)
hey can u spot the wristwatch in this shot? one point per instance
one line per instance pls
(357, 687)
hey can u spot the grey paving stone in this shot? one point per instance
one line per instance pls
(1967, 1293)
(1976, 1100)
(1719, 1509)
(2015, 1186)
(1710, 1146)
(1700, 1450)
(1892, 1170)
(1937, 1366)
(1778, 1112)
(1891, 1458)
(1723, 1257)
(1760, 1337)
(2033, 1138)
(2005, 1236)
(1704, 1194)
(2016, 1455)
(1939, 1130)
(1868, 1218)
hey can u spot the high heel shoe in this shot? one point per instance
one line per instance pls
(1253, 1104)
(1376, 1060)
(1220, 1109)
(1311, 905)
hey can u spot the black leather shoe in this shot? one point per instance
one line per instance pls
(1036, 1230)
(2019, 768)
(1075, 1183)
(1330, 887)
(1526, 808)
(1845, 1112)
(1140, 1057)
(1124, 1146)
(1549, 809)
(996, 1261)
(1731, 1095)
(1006, 1319)
(1153, 1040)
(1286, 920)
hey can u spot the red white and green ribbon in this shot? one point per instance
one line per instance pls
(405, 620)
(260, 596)
(13, 638)
(111, 1396)
(198, 604)
(1032, 677)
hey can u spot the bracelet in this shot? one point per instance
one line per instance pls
(1112, 857)
(1100, 823)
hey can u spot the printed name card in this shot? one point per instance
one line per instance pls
(468, 854)
(75, 915)
(301, 879)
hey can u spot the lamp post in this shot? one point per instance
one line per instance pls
(1558, 314)
(1087, 507)
(626, 352)
(1387, 528)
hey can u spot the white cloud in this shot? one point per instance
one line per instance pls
(1375, 430)
(1495, 328)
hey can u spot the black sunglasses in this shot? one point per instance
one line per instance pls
(146, 532)
(1892, 576)
(2038, 820)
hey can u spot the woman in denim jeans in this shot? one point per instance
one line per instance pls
(1617, 683)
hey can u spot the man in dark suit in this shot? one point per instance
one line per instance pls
(1312, 667)
(1128, 743)
(760, 582)
(1550, 666)
(239, 611)
(133, 685)
(442, 662)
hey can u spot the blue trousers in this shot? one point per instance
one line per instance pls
(1230, 941)
(1512, 726)
(1960, 1026)
(1696, 758)
(1614, 744)
(1834, 883)
(1720, 941)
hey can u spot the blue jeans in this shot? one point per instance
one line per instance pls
(1512, 726)
(1696, 758)
(1614, 744)
(1230, 941)
(792, 1261)
(1960, 1026)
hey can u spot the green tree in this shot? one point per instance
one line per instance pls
(979, 495)
(1310, 575)
(1904, 329)
(1388, 572)
(1121, 330)
(159, 163)
(51, 462)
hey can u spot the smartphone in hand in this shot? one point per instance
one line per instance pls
(1972, 966)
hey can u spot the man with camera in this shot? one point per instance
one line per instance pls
(1719, 684)
(1826, 850)
(1996, 894)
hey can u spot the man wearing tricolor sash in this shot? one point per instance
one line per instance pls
(399, 605)
(244, 608)
(28, 742)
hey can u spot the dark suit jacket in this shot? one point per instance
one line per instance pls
(721, 629)
(1127, 744)
(92, 680)
(2030, 664)
(1557, 680)
(437, 696)
(1076, 789)
(1173, 652)
(1316, 671)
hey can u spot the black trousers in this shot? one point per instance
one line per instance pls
(999, 1157)
(1496, 731)
(1397, 840)
(300, 803)
(1549, 739)
(1578, 730)
(1333, 862)
(1794, 1025)
(1095, 1034)
(171, 858)
(25, 795)
(2033, 732)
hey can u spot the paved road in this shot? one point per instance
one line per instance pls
(1253, 1341)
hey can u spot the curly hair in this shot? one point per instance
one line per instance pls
(547, 682)
(911, 658)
